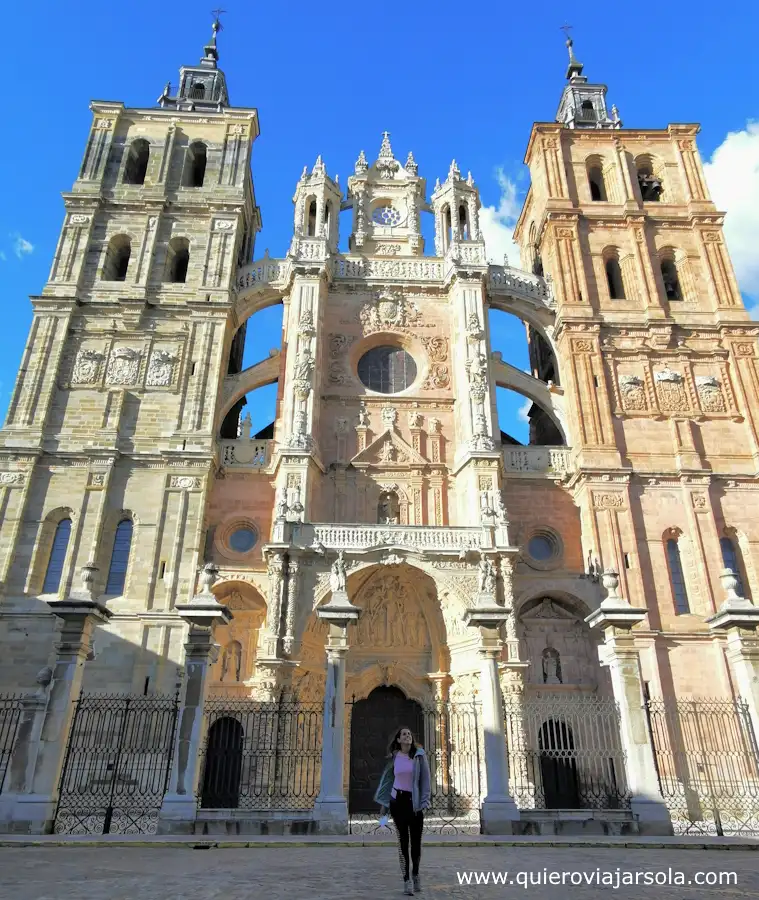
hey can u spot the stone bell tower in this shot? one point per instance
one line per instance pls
(111, 435)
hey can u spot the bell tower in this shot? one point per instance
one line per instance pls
(386, 199)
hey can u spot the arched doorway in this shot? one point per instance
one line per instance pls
(373, 724)
(221, 778)
(558, 766)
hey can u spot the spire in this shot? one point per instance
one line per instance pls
(574, 69)
(202, 86)
(386, 151)
(210, 49)
(386, 163)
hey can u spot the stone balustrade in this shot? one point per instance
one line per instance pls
(246, 453)
(535, 460)
(416, 269)
(509, 280)
(263, 273)
(410, 537)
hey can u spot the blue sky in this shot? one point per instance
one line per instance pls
(446, 81)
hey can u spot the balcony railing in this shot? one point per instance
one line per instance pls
(389, 269)
(410, 537)
(263, 273)
(246, 453)
(537, 460)
(507, 279)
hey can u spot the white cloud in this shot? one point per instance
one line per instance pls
(523, 410)
(3, 257)
(21, 247)
(733, 178)
(497, 223)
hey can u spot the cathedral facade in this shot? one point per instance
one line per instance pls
(556, 619)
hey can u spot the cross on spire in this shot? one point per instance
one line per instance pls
(575, 67)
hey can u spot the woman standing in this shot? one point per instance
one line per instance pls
(404, 789)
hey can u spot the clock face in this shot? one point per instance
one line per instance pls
(388, 216)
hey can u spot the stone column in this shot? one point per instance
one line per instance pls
(616, 618)
(331, 807)
(23, 758)
(499, 811)
(203, 614)
(34, 809)
(738, 619)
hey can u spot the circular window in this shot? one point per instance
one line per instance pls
(386, 215)
(241, 540)
(543, 549)
(540, 548)
(387, 370)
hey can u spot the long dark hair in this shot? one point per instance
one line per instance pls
(395, 745)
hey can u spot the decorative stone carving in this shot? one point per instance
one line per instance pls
(710, 394)
(363, 415)
(608, 501)
(16, 478)
(436, 347)
(185, 482)
(699, 502)
(437, 377)
(87, 367)
(341, 426)
(487, 576)
(231, 661)
(306, 323)
(104, 124)
(161, 368)
(123, 366)
(275, 569)
(388, 309)
(304, 366)
(391, 616)
(224, 224)
(633, 392)
(79, 219)
(338, 574)
(414, 419)
(389, 417)
(671, 391)
(551, 666)
(434, 425)
(337, 374)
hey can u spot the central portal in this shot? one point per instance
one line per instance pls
(373, 724)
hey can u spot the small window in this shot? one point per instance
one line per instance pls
(57, 557)
(540, 548)
(587, 111)
(242, 540)
(117, 258)
(614, 279)
(178, 260)
(679, 590)
(651, 187)
(671, 280)
(387, 370)
(137, 162)
(195, 166)
(463, 225)
(198, 91)
(597, 185)
(730, 560)
(122, 545)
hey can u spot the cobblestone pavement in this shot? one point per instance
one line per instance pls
(333, 873)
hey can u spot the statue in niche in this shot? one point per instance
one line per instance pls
(487, 576)
(388, 509)
(338, 574)
(551, 666)
(231, 660)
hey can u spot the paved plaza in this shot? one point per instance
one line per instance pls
(332, 873)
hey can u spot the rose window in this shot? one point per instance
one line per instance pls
(386, 215)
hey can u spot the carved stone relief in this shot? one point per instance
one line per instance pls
(670, 389)
(161, 368)
(391, 616)
(710, 394)
(559, 646)
(388, 309)
(123, 366)
(87, 367)
(632, 391)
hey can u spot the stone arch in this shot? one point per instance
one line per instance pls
(550, 401)
(235, 387)
(556, 640)
(248, 609)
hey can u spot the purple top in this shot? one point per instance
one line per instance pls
(403, 767)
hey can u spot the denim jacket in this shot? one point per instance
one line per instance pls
(420, 783)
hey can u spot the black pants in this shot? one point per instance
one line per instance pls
(408, 824)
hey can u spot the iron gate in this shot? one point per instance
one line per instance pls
(451, 736)
(117, 765)
(708, 767)
(10, 715)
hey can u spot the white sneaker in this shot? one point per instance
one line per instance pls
(417, 884)
(408, 888)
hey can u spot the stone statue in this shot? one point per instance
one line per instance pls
(281, 508)
(338, 575)
(500, 509)
(551, 666)
(232, 657)
(487, 576)
(363, 415)
(304, 365)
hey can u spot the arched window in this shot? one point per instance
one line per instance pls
(177, 260)
(651, 187)
(122, 544)
(57, 557)
(447, 226)
(731, 561)
(388, 509)
(614, 278)
(463, 223)
(136, 166)
(671, 280)
(596, 182)
(587, 111)
(679, 591)
(311, 226)
(195, 165)
(197, 90)
(117, 258)
(327, 216)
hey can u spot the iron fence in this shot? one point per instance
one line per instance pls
(117, 764)
(564, 752)
(706, 757)
(260, 756)
(451, 736)
(10, 716)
